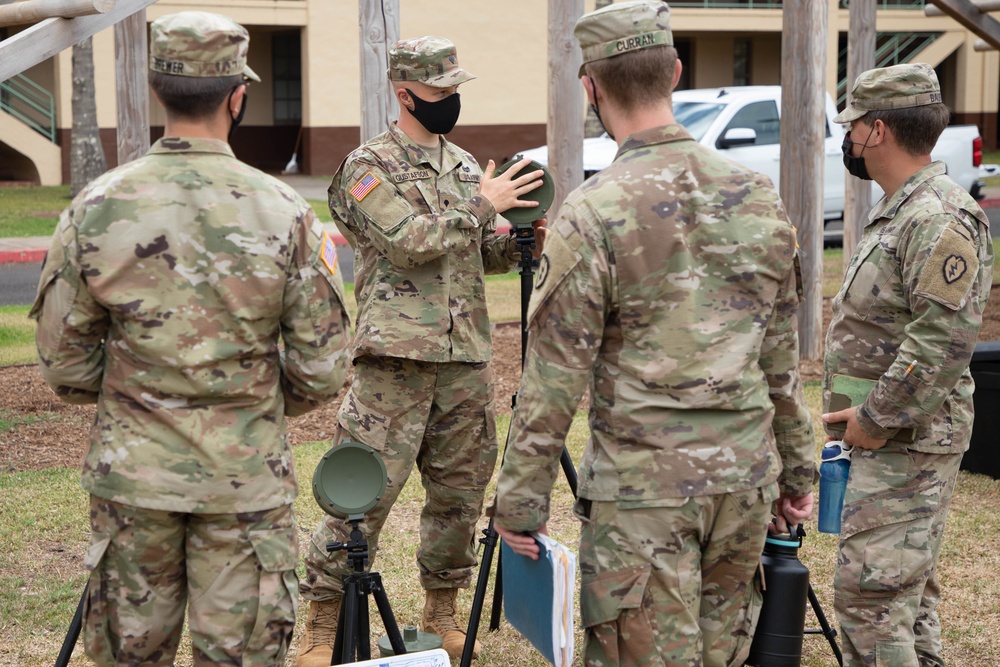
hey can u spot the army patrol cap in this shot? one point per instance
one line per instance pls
(896, 87)
(623, 27)
(199, 44)
(430, 60)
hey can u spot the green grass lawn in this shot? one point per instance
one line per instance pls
(31, 211)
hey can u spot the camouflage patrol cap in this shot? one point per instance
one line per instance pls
(199, 44)
(430, 60)
(623, 27)
(896, 87)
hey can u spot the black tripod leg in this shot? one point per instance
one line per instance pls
(338, 642)
(66, 652)
(388, 619)
(497, 595)
(349, 611)
(489, 541)
(828, 632)
(364, 641)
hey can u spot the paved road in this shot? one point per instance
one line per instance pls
(18, 282)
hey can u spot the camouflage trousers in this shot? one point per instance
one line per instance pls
(886, 588)
(234, 572)
(672, 585)
(440, 416)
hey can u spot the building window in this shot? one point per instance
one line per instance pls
(286, 57)
(741, 62)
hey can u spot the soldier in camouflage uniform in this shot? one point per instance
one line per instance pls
(668, 288)
(421, 217)
(169, 285)
(906, 318)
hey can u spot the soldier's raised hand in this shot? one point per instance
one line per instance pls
(503, 190)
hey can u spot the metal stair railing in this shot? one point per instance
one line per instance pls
(31, 104)
(891, 49)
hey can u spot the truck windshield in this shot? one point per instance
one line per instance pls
(696, 117)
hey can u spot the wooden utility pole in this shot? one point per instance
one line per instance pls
(860, 58)
(131, 68)
(379, 22)
(564, 134)
(803, 114)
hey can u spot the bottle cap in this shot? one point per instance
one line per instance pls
(836, 450)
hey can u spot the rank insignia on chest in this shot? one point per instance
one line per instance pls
(364, 186)
(329, 253)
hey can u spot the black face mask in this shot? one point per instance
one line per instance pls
(855, 165)
(597, 111)
(436, 117)
(239, 116)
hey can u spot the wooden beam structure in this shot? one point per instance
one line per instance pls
(803, 117)
(973, 17)
(44, 40)
(379, 24)
(980, 5)
(132, 76)
(860, 58)
(30, 11)
(564, 133)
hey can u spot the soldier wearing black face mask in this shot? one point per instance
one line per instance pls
(421, 216)
(906, 320)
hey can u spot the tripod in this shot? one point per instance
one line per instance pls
(825, 629)
(524, 237)
(353, 640)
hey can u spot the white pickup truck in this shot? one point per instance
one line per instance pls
(743, 123)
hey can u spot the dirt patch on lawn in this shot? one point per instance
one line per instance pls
(47, 433)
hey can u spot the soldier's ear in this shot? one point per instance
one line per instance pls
(404, 98)
(678, 68)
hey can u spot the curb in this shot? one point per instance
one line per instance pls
(503, 228)
(22, 256)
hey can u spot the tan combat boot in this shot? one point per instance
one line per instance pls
(439, 619)
(316, 647)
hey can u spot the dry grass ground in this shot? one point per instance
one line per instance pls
(43, 536)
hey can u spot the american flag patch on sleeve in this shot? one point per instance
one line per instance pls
(329, 253)
(364, 186)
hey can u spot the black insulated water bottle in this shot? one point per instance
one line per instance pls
(777, 641)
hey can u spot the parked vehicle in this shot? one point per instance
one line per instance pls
(743, 123)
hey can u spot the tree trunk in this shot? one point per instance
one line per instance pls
(592, 127)
(86, 158)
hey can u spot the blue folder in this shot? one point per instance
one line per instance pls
(538, 597)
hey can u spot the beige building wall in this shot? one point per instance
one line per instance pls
(506, 45)
(713, 62)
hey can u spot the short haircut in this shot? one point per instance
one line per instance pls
(636, 79)
(916, 129)
(192, 97)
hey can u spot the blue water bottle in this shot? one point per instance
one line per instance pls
(833, 473)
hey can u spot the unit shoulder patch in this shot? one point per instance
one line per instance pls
(364, 186)
(558, 260)
(329, 253)
(949, 271)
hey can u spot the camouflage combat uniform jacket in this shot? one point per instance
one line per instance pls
(668, 283)
(163, 297)
(423, 240)
(909, 312)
